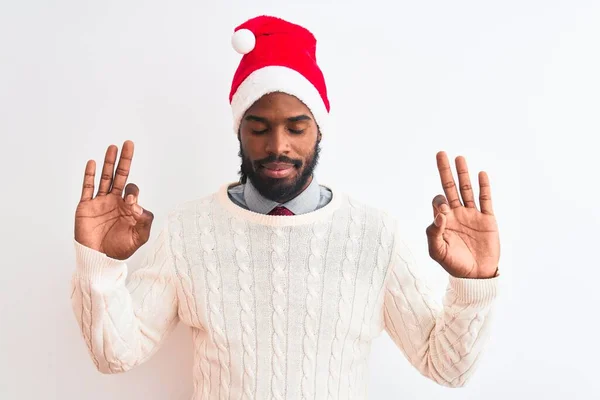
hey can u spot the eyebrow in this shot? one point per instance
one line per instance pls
(297, 118)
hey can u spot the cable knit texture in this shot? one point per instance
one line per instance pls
(280, 307)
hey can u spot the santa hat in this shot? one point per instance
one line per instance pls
(279, 56)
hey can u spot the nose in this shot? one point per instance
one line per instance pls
(277, 141)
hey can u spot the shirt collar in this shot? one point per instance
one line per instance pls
(305, 202)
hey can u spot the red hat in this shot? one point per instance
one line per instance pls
(279, 56)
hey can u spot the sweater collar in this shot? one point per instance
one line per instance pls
(307, 201)
(319, 215)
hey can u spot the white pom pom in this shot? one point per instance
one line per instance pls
(243, 41)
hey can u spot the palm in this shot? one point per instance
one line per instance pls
(106, 223)
(464, 240)
(472, 242)
(109, 222)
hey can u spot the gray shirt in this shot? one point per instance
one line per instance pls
(311, 199)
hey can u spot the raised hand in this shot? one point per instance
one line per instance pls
(112, 222)
(463, 239)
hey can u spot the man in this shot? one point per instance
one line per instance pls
(284, 282)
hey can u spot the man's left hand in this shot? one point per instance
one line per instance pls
(463, 239)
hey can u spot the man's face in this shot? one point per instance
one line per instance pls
(279, 146)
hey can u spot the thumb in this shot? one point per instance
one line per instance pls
(143, 219)
(435, 238)
(142, 216)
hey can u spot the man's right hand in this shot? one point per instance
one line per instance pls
(112, 222)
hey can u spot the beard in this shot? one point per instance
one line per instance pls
(279, 190)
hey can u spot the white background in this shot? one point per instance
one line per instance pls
(514, 86)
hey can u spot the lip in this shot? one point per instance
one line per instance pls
(277, 170)
(277, 165)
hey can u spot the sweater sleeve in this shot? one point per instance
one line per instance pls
(123, 324)
(444, 342)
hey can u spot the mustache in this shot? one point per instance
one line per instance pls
(274, 158)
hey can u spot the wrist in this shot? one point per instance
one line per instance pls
(480, 275)
(493, 275)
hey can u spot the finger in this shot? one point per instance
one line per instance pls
(122, 171)
(447, 180)
(440, 222)
(136, 209)
(132, 195)
(485, 194)
(132, 189)
(107, 170)
(440, 205)
(87, 192)
(130, 200)
(464, 182)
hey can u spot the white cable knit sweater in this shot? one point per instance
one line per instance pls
(281, 307)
